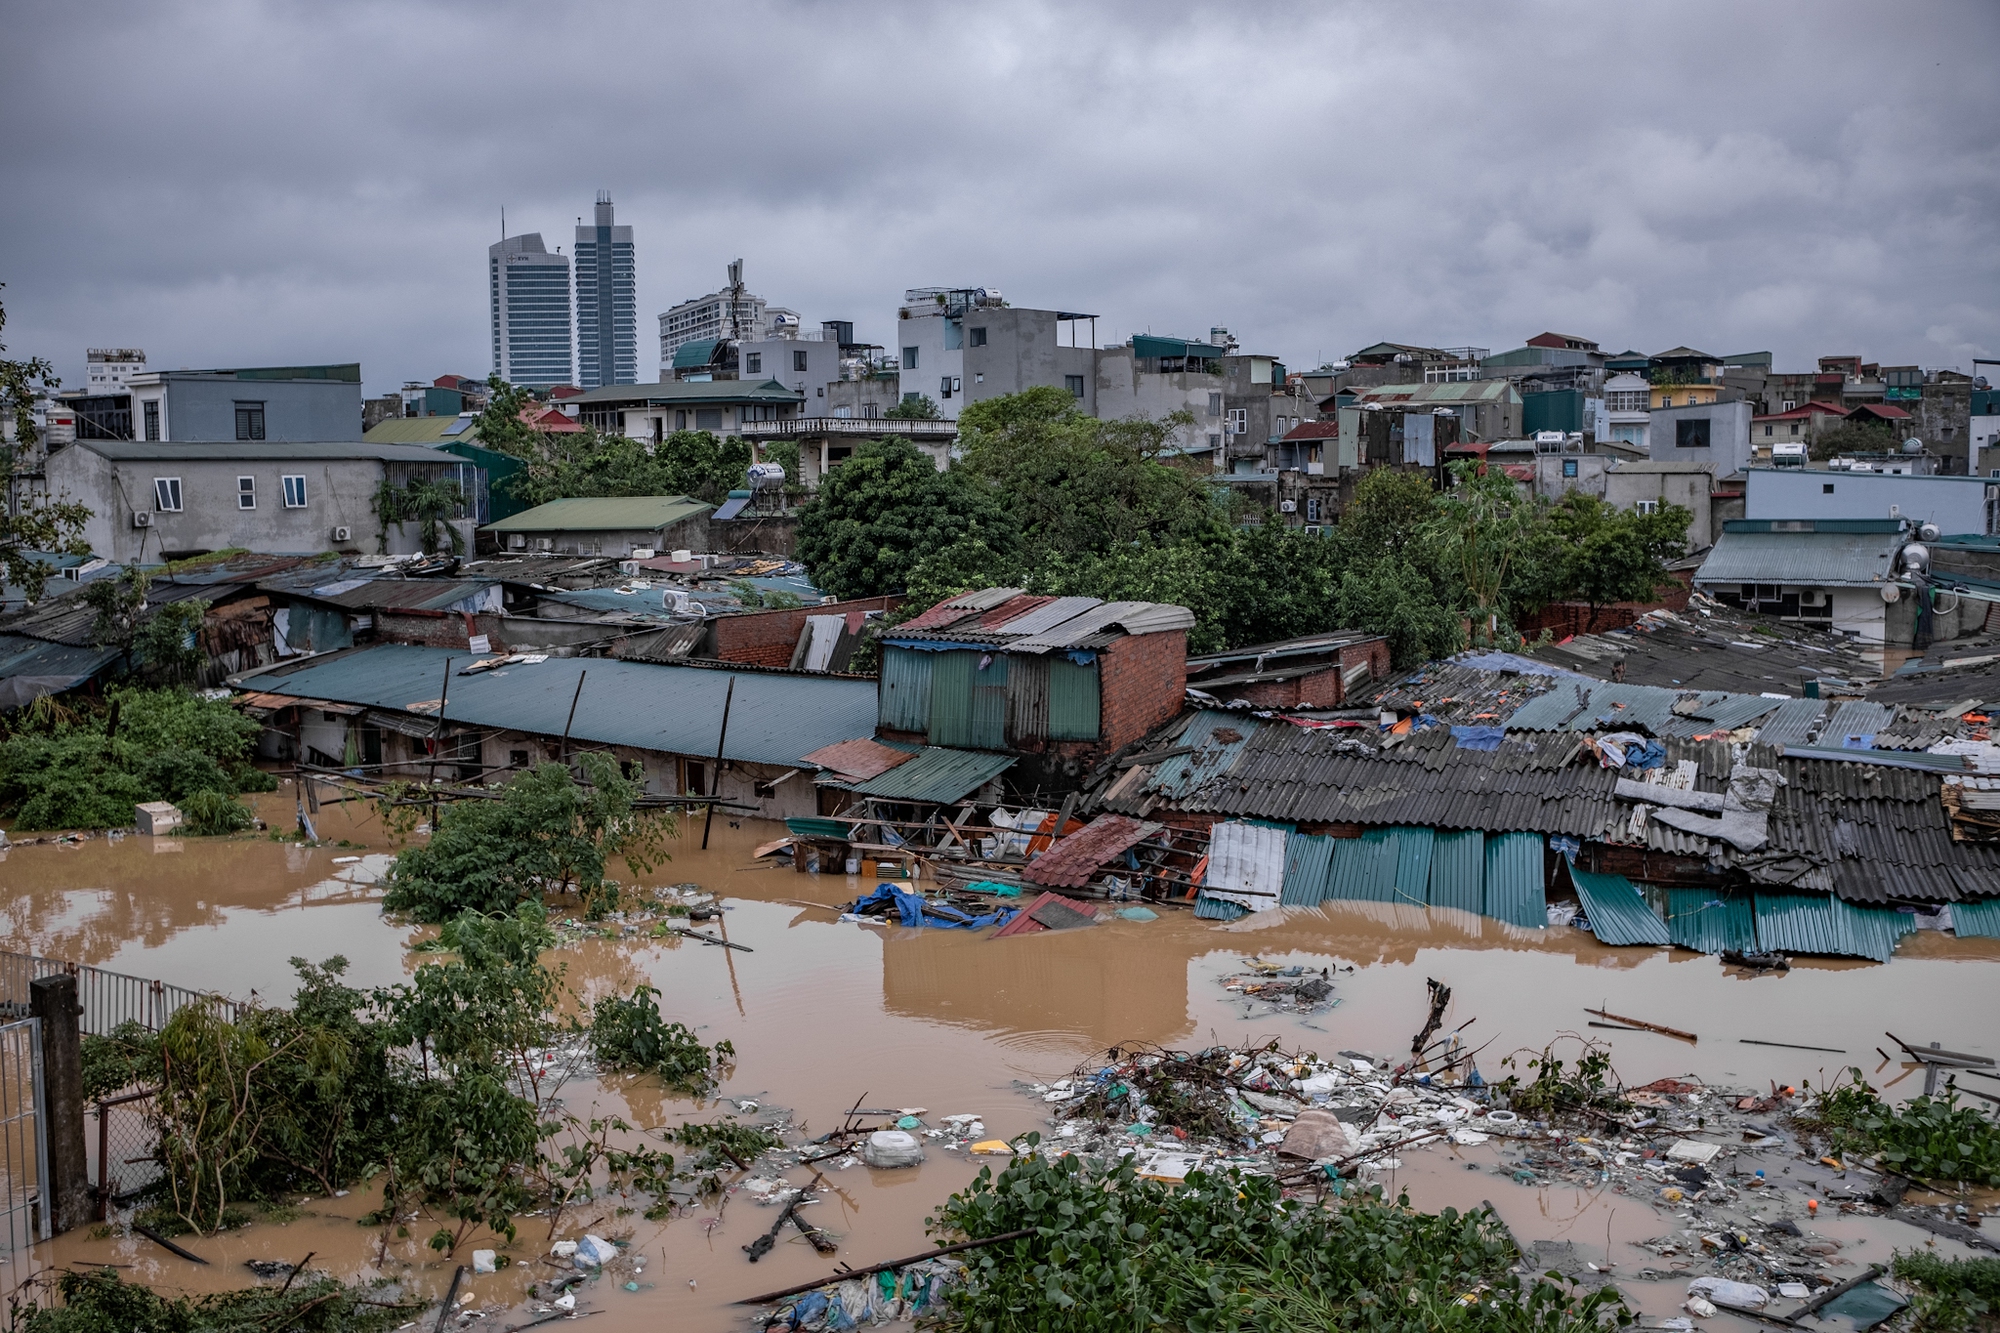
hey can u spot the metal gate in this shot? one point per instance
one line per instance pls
(108, 998)
(24, 1140)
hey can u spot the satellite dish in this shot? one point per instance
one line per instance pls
(1891, 593)
(1913, 445)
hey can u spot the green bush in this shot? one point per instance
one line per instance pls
(1227, 1251)
(630, 1034)
(1929, 1138)
(1950, 1293)
(212, 814)
(99, 1301)
(129, 1054)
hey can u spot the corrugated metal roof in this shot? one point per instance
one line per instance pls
(954, 609)
(636, 513)
(773, 718)
(1308, 870)
(1854, 718)
(31, 668)
(1455, 391)
(1151, 617)
(420, 594)
(1587, 705)
(1038, 625)
(1618, 913)
(1709, 921)
(1045, 617)
(1801, 559)
(1976, 920)
(1734, 711)
(1074, 859)
(1818, 923)
(937, 774)
(1217, 909)
(1792, 723)
(1385, 865)
(1218, 739)
(1515, 890)
(1458, 871)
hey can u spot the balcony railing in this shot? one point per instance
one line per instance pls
(865, 428)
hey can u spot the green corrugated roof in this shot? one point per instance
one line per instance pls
(1384, 865)
(1308, 870)
(1808, 559)
(1823, 924)
(1617, 912)
(1710, 922)
(634, 513)
(1458, 871)
(689, 355)
(1980, 920)
(937, 775)
(1144, 344)
(1515, 890)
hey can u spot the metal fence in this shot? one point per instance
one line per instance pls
(108, 998)
(127, 1149)
(24, 1145)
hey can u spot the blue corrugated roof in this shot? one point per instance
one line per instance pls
(1823, 924)
(1175, 778)
(1384, 865)
(1217, 909)
(1308, 870)
(1978, 920)
(937, 774)
(1617, 912)
(1709, 921)
(773, 718)
(30, 668)
(1515, 890)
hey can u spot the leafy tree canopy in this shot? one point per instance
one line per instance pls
(41, 526)
(914, 407)
(883, 510)
(587, 463)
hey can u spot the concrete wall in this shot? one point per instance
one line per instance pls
(777, 360)
(203, 411)
(689, 534)
(1625, 488)
(1728, 430)
(1957, 505)
(1123, 393)
(337, 493)
(1023, 350)
(856, 398)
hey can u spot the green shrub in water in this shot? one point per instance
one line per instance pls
(99, 1301)
(630, 1034)
(1929, 1138)
(212, 814)
(1950, 1295)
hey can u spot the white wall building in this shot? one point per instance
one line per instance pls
(110, 369)
(729, 313)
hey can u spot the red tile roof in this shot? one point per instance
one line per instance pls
(1883, 410)
(1313, 430)
(1802, 411)
(1074, 859)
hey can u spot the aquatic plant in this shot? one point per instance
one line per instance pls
(1928, 1138)
(1949, 1295)
(1228, 1251)
(1558, 1087)
(630, 1034)
(92, 1300)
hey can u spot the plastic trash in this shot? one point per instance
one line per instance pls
(485, 1261)
(890, 1148)
(993, 1147)
(594, 1251)
(566, 1301)
(1698, 1307)
(1722, 1291)
(563, 1249)
(1138, 914)
(1319, 1085)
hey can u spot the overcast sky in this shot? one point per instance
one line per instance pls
(240, 184)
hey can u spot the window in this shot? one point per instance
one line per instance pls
(246, 492)
(295, 492)
(1215, 404)
(944, 386)
(1214, 441)
(1569, 467)
(1647, 506)
(680, 421)
(979, 337)
(249, 421)
(1795, 428)
(1790, 404)
(1666, 400)
(152, 418)
(1312, 509)
(753, 363)
(1691, 433)
(1239, 421)
(909, 358)
(799, 360)
(764, 791)
(517, 758)
(708, 418)
(1767, 430)
(1826, 488)
(167, 494)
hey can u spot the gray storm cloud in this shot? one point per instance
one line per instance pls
(231, 184)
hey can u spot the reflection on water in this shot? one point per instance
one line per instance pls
(824, 1013)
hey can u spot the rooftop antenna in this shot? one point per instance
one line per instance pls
(503, 224)
(736, 300)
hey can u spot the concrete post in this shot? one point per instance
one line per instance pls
(67, 1190)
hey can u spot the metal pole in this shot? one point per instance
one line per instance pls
(715, 778)
(564, 756)
(42, 1182)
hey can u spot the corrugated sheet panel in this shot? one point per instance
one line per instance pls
(1028, 698)
(1617, 912)
(1980, 920)
(1792, 723)
(1217, 909)
(1584, 705)
(1710, 922)
(1218, 739)
(1246, 864)
(1071, 862)
(1047, 616)
(1308, 870)
(937, 775)
(1414, 847)
(1515, 891)
(951, 698)
(1822, 924)
(1735, 710)
(1855, 718)
(1458, 871)
(1074, 700)
(1814, 559)
(1364, 868)
(989, 702)
(906, 689)
(1873, 932)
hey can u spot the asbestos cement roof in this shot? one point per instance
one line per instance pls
(1711, 648)
(630, 513)
(1007, 618)
(774, 718)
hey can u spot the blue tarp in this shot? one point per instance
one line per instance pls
(913, 909)
(1479, 738)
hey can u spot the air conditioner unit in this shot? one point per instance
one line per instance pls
(516, 542)
(643, 553)
(343, 533)
(545, 543)
(1312, 530)
(142, 518)
(1288, 506)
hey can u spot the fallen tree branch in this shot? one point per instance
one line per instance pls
(847, 1273)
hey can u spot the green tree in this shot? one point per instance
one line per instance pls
(1854, 437)
(1481, 525)
(429, 503)
(913, 407)
(1392, 597)
(120, 604)
(688, 462)
(545, 834)
(501, 425)
(883, 511)
(1280, 584)
(34, 525)
(1388, 515)
(1601, 554)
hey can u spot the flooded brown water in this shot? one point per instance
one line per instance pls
(824, 1013)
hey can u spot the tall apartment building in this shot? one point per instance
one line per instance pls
(729, 313)
(529, 291)
(110, 369)
(607, 310)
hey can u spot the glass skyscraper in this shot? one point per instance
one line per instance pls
(529, 291)
(607, 305)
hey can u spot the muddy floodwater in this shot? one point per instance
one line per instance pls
(824, 1014)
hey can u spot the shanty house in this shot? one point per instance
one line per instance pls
(1065, 680)
(606, 525)
(1318, 671)
(1840, 573)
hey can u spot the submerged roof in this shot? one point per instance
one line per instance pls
(774, 718)
(634, 513)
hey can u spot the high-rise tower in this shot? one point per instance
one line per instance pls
(529, 291)
(607, 309)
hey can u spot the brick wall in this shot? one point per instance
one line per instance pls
(1144, 682)
(1563, 619)
(1315, 689)
(767, 638)
(439, 629)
